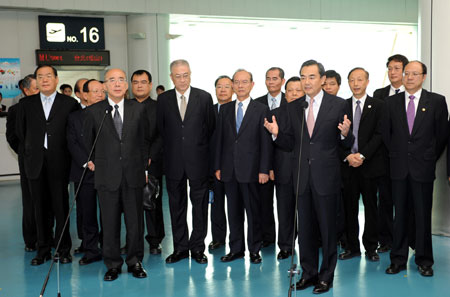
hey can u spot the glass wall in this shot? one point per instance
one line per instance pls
(216, 46)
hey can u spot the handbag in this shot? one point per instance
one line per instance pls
(150, 193)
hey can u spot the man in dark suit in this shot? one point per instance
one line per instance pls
(87, 195)
(326, 128)
(141, 86)
(282, 167)
(186, 122)
(243, 160)
(362, 165)
(224, 93)
(273, 99)
(29, 230)
(121, 155)
(395, 65)
(415, 131)
(41, 127)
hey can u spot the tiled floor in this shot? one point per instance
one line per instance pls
(355, 277)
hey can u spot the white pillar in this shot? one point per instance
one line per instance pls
(148, 47)
(434, 44)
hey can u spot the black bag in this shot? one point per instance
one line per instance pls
(151, 192)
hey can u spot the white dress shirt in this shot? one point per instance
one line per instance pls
(120, 104)
(277, 100)
(416, 99)
(245, 104)
(316, 104)
(392, 90)
(361, 105)
(186, 95)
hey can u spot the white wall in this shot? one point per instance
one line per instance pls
(404, 11)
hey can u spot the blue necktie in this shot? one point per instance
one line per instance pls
(356, 120)
(274, 104)
(239, 116)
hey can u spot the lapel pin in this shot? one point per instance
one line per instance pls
(423, 109)
(369, 106)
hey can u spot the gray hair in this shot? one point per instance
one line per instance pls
(179, 62)
(26, 82)
(243, 70)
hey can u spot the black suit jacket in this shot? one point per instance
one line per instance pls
(213, 142)
(370, 142)
(186, 143)
(11, 136)
(320, 153)
(117, 158)
(77, 147)
(415, 154)
(31, 127)
(282, 160)
(382, 93)
(155, 149)
(248, 152)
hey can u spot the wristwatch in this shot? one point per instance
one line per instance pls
(362, 157)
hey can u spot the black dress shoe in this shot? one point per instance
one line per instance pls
(155, 249)
(199, 257)
(65, 259)
(214, 245)
(348, 254)
(394, 268)
(322, 287)
(266, 243)
(384, 248)
(425, 270)
(305, 283)
(30, 249)
(39, 260)
(177, 256)
(255, 258)
(283, 254)
(86, 261)
(78, 250)
(372, 256)
(232, 256)
(137, 270)
(123, 250)
(112, 274)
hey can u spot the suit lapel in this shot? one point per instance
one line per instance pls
(192, 102)
(247, 116)
(283, 99)
(173, 104)
(421, 111)
(301, 113)
(38, 107)
(232, 118)
(324, 109)
(367, 108)
(128, 112)
(402, 111)
(109, 119)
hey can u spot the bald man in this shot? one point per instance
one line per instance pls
(121, 155)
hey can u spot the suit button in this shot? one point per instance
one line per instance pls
(182, 137)
(311, 143)
(236, 141)
(182, 126)
(120, 158)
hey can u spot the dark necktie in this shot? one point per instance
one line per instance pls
(356, 121)
(411, 113)
(118, 121)
(397, 91)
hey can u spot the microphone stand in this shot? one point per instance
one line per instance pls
(55, 258)
(293, 270)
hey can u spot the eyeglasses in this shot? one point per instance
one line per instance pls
(120, 80)
(42, 76)
(180, 76)
(413, 74)
(142, 82)
(241, 82)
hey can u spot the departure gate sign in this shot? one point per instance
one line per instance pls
(69, 33)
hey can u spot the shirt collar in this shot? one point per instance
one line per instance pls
(112, 103)
(186, 94)
(317, 99)
(245, 102)
(362, 100)
(416, 94)
(52, 96)
(401, 88)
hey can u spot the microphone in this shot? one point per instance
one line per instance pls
(108, 109)
(304, 104)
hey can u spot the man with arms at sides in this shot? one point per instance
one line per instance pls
(243, 160)
(282, 167)
(415, 131)
(121, 155)
(87, 196)
(395, 65)
(332, 82)
(224, 93)
(141, 86)
(186, 122)
(362, 165)
(29, 230)
(273, 99)
(41, 127)
(326, 128)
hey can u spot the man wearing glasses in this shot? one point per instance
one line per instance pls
(87, 196)
(41, 127)
(121, 156)
(415, 131)
(186, 121)
(141, 86)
